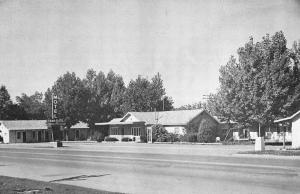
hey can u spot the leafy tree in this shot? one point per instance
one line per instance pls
(261, 85)
(33, 105)
(206, 134)
(198, 105)
(15, 112)
(8, 110)
(72, 99)
(144, 95)
(105, 96)
(4, 102)
(136, 96)
(159, 133)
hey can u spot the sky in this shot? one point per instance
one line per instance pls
(185, 41)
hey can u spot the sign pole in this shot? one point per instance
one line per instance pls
(52, 106)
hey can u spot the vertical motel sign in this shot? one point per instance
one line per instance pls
(54, 107)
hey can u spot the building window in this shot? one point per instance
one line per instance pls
(114, 131)
(33, 134)
(136, 131)
(18, 135)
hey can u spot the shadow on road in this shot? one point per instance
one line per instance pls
(76, 178)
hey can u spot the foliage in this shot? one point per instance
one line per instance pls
(15, 112)
(126, 139)
(8, 110)
(97, 136)
(33, 105)
(189, 137)
(72, 99)
(143, 139)
(144, 95)
(105, 95)
(206, 135)
(262, 85)
(159, 133)
(198, 105)
(110, 139)
(4, 102)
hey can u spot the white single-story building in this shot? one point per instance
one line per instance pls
(291, 124)
(32, 131)
(137, 124)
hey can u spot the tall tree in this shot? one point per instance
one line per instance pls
(144, 95)
(137, 96)
(4, 102)
(72, 99)
(33, 105)
(9, 110)
(262, 85)
(105, 96)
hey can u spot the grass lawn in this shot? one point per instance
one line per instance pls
(10, 185)
(274, 152)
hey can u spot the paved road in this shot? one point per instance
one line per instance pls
(144, 168)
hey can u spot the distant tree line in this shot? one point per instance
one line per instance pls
(95, 98)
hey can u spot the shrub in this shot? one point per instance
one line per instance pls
(97, 136)
(163, 138)
(189, 137)
(126, 139)
(110, 139)
(173, 137)
(143, 139)
(206, 136)
(206, 133)
(159, 133)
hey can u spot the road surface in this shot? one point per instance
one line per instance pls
(144, 168)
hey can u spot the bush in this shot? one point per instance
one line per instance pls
(206, 136)
(97, 136)
(173, 137)
(143, 139)
(126, 139)
(163, 138)
(110, 139)
(159, 133)
(189, 137)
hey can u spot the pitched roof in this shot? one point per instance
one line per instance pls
(117, 121)
(33, 124)
(25, 124)
(288, 118)
(179, 117)
(80, 125)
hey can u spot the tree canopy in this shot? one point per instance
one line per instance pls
(33, 105)
(262, 84)
(72, 99)
(144, 95)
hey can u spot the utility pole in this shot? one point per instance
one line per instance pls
(258, 129)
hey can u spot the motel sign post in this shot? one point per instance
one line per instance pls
(54, 106)
(55, 124)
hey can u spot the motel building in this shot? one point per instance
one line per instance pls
(33, 131)
(133, 125)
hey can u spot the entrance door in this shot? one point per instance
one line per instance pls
(24, 137)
